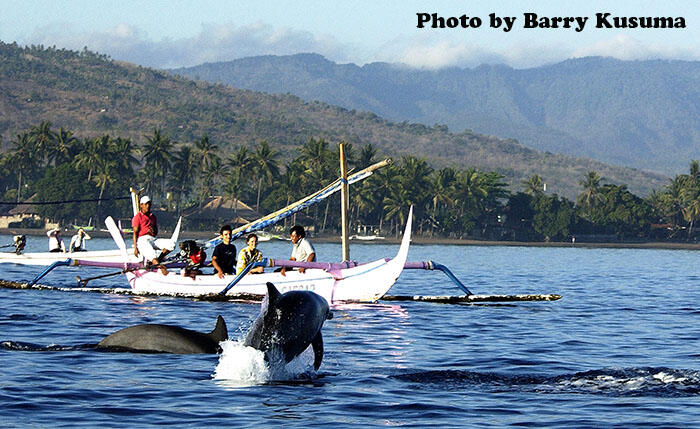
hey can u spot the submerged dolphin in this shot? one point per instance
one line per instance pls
(166, 339)
(288, 323)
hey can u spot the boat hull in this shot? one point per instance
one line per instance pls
(363, 283)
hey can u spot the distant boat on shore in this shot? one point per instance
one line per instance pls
(366, 237)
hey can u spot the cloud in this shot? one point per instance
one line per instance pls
(220, 42)
(624, 47)
(226, 42)
(435, 53)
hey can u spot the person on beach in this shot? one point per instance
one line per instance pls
(77, 242)
(250, 254)
(224, 257)
(55, 240)
(145, 227)
(302, 249)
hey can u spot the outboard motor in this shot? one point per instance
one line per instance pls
(19, 242)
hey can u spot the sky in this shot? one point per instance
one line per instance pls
(177, 33)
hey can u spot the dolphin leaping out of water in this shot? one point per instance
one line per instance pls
(152, 338)
(288, 323)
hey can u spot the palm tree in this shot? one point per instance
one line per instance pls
(290, 184)
(395, 204)
(156, 154)
(533, 186)
(107, 165)
(590, 196)
(265, 161)
(60, 152)
(215, 173)
(125, 152)
(23, 158)
(695, 171)
(207, 153)
(442, 184)
(320, 167)
(183, 177)
(240, 161)
(92, 151)
(691, 213)
(367, 156)
(43, 137)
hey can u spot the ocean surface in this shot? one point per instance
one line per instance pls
(620, 349)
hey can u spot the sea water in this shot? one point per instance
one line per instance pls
(620, 349)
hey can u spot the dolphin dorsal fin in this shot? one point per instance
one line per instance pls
(220, 332)
(273, 295)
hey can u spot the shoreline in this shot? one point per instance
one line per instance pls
(415, 240)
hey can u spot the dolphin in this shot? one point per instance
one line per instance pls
(152, 338)
(288, 323)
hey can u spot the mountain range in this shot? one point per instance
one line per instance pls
(642, 114)
(92, 95)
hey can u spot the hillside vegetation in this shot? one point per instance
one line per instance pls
(642, 114)
(92, 95)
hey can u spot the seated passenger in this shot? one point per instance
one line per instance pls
(77, 242)
(249, 255)
(302, 250)
(55, 240)
(224, 257)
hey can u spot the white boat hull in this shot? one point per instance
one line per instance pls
(364, 283)
(48, 258)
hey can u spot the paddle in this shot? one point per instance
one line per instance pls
(242, 274)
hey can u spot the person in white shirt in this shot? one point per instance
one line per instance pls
(55, 240)
(77, 242)
(303, 250)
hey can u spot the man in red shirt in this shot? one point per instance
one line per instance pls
(145, 227)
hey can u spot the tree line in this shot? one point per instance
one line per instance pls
(449, 202)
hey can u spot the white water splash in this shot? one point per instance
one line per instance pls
(633, 380)
(241, 366)
(669, 378)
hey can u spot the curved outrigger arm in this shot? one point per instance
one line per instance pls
(430, 265)
(50, 268)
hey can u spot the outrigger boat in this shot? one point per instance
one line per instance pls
(112, 256)
(337, 282)
(48, 258)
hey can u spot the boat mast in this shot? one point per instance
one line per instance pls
(134, 200)
(344, 202)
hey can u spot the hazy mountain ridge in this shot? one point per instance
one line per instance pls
(643, 114)
(92, 95)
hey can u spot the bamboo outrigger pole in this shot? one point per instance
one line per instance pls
(344, 202)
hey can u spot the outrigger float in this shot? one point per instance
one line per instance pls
(340, 282)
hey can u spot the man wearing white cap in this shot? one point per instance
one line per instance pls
(145, 227)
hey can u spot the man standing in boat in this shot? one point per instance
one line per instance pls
(302, 250)
(145, 227)
(224, 257)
